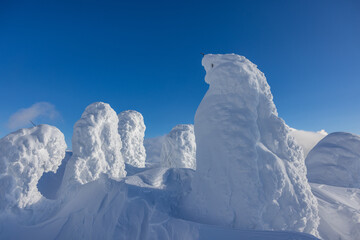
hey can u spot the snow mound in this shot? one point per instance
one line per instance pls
(335, 161)
(306, 139)
(25, 155)
(339, 210)
(132, 132)
(179, 147)
(250, 173)
(96, 146)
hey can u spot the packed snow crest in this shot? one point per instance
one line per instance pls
(179, 147)
(132, 133)
(96, 146)
(250, 173)
(335, 161)
(25, 155)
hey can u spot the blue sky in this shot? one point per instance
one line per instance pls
(145, 55)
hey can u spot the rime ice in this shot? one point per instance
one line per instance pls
(24, 156)
(96, 146)
(132, 132)
(179, 147)
(250, 173)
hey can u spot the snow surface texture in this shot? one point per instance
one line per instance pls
(306, 139)
(339, 210)
(250, 172)
(179, 148)
(335, 161)
(96, 146)
(132, 133)
(25, 155)
(138, 207)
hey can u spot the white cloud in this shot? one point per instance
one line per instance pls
(22, 117)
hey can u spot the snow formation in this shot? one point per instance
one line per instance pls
(96, 146)
(250, 172)
(179, 148)
(132, 133)
(335, 161)
(24, 156)
(306, 139)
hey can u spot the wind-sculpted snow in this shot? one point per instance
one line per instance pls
(24, 156)
(139, 207)
(132, 132)
(335, 161)
(339, 210)
(250, 172)
(179, 148)
(96, 146)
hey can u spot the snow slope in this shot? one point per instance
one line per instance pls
(179, 147)
(306, 139)
(137, 207)
(335, 161)
(250, 172)
(24, 156)
(132, 132)
(339, 210)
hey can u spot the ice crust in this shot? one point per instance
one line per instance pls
(24, 156)
(250, 173)
(179, 148)
(335, 161)
(96, 146)
(132, 133)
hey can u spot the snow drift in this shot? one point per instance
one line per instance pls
(25, 155)
(250, 172)
(339, 210)
(96, 146)
(335, 161)
(132, 132)
(179, 147)
(306, 139)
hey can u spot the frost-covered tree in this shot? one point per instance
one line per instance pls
(179, 148)
(96, 146)
(24, 156)
(250, 172)
(132, 133)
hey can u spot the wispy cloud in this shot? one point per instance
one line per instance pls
(22, 117)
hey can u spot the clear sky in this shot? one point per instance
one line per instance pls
(145, 55)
